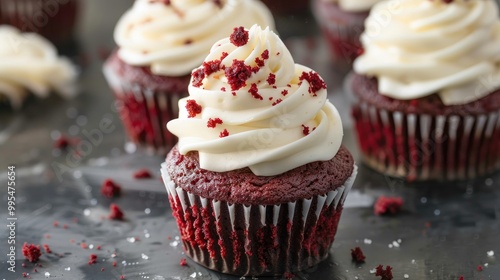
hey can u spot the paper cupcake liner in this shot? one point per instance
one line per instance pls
(341, 31)
(257, 240)
(53, 19)
(426, 147)
(145, 112)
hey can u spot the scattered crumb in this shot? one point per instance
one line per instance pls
(288, 275)
(115, 213)
(47, 249)
(388, 205)
(385, 274)
(183, 262)
(31, 252)
(461, 278)
(55, 223)
(479, 268)
(143, 174)
(110, 189)
(92, 259)
(357, 255)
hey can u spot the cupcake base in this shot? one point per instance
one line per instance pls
(424, 139)
(341, 31)
(257, 240)
(146, 102)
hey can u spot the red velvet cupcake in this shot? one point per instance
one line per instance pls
(158, 47)
(428, 107)
(53, 19)
(259, 177)
(342, 22)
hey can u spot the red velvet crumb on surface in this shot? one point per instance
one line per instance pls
(237, 74)
(239, 37)
(461, 278)
(62, 142)
(314, 80)
(110, 189)
(385, 274)
(143, 174)
(479, 268)
(115, 213)
(212, 123)
(47, 249)
(224, 133)
(183, 262)
(357, 255)
(92, 259)
(193, 108)
(271, 79)
(25, 274)
(254, 90)
(31, 252)
(388, 205)
(197, 77)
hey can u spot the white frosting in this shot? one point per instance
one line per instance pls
(417, 48)
(355, 5)
(154, 34)
(30, 64)
(267, 138)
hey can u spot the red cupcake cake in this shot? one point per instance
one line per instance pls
(159, 43)
(427, 91)
(53, 19)
(342, 22)
(258, 179)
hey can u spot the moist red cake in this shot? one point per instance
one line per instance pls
(146, 102)
(53, 19)
(423, 139)
(239, 223)
(341, 30)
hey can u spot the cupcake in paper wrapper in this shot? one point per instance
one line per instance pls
(258, 179)
(342, 22)
(427, 113)
(158, 47)
(53, 19)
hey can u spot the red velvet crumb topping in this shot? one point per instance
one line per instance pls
(143, 174)
(31, 252)
(357, 255)
(284, 92)
(211, 67)
(259, 62)
(25, 274)
(224, 133)
(193, 108)
(385, 274)
(62, 142)
(388, 205)
(278, 101)
(183, 262)
(212, 123)
(223, 89)
(197, 77)
(271, 79)
(479, 268)
(254, 90)
(92, 259)
(47, 249)
(461, 278)
(115, 213)
(237, 74)
(239, 37)
(314, 80)
(110, 189)
(55, 223)
(305, 130)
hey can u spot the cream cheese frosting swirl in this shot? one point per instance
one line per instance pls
(355, 5)
(251, 106)
(29, 64)
(420, 47)
(173, 37)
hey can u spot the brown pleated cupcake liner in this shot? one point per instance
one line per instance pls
(257, 240)
(145, 113)
(53, 19)
(425, 147)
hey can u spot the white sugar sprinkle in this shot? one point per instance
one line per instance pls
(193, 275)
(399, 241)
(91, 246)
(367, 241)
(147, 211)
(395, 244)
(144, 257)
(390, 246)
(131, 239)
(406, 276)
(47, 275)
(86, 212)
(113, 255)
(486, 265)
(67, 268)
(372, 271)
(413, 261)
(174, 243)
(490, 253)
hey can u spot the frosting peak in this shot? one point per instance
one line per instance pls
(29, 64)
(251, 106)
(420, 47)
(173, 37)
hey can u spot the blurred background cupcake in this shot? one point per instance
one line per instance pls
(159, 44)
(258, 179)
(54, 19)
(427, 90)
(288, 8)
(342, 22)
(30, 65)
